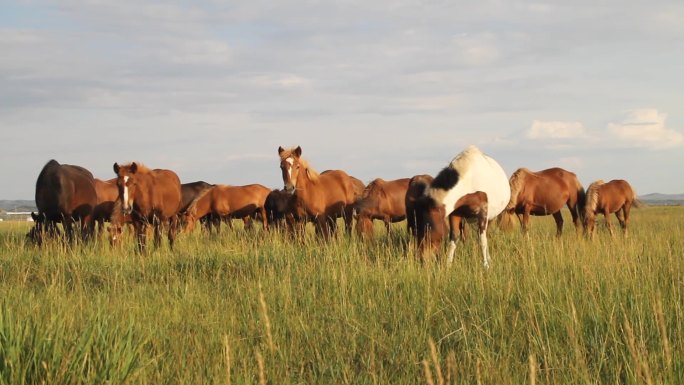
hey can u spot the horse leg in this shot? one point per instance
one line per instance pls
(247, 220)
(348, 219)
(483, 242)
(625, 209)
(264, 218)
(526, 219)
(575, 216)
(157, 227)
(455, 222)
(140, 228)
(173, 227)
(559, 223)
(606, 215)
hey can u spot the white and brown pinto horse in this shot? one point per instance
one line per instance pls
(469, 172)
(321, 198)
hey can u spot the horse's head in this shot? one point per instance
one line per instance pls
(430, 225)
(35, 235)
(126, 184)
(290, 166)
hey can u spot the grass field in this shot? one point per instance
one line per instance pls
(245, 308)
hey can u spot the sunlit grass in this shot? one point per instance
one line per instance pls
(243, 306)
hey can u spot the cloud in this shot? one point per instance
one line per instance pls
(646, 128)
(556, 130)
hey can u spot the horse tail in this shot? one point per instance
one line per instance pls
(581, 199)
(592, 197)
(517, 182)
(505, 220)
(635, 200)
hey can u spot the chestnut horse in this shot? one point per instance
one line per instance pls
(64, 194)
(321, 198)
(470, 206)
(545, 193)
(384, 200)
(469, 172)
(151, 197)
(616, 196)
(225, 202)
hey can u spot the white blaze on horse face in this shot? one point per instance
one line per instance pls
(290, 161)
(125, 193)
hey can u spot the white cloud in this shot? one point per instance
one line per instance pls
(556, 130)
(645, 127)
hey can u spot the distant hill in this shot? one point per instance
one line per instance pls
(18, 205)
(662, 199)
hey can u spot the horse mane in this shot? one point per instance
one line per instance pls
(312, 174)
(193, 203)
(366, 200)
(517, 182)
(593, 196)
(141, 168)
(450, 175)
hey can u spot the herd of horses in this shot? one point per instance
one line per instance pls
(472, 186)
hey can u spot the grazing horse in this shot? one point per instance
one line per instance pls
(278, 208)
(150, 197)
(321, 198)
(64, 194)
(616, 196)
(384, 200)
(468, 172)
(545, 193)
(470, 206)
(226, 202)
(107, 194)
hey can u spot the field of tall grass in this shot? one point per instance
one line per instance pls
(255, 307)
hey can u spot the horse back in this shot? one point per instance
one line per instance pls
(338, 185)
(164, 192)
(65, 190)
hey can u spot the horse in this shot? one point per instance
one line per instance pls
(322, 197)
(469, 172)
(189, 193)
(383, 200)
(64, 194)
(278, 208)
(150, 196)
(470, 206)
(616, 196)
(545, 193)
(107, 194)
(225, 202)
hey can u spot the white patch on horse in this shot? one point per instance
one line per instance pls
(290, 161)
(125, 193)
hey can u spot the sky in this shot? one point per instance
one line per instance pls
(391, 89)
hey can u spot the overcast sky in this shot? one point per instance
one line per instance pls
(386, 89)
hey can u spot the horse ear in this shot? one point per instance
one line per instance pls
(280, 150)
(116, 168)
(298, 151)
(134, 168)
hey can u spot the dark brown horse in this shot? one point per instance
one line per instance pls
(151, 197)
(64, 194)
(545, 193)
(278, 206)
(107, 194)
(323, 197)
(417, 188)
(383, 200)
(616, 196)
(226, 202)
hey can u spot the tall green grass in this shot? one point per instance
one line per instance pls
(253, 307)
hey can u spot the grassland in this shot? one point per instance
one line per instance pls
(245, 308)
